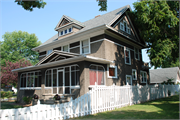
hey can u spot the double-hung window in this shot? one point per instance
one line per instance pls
(125, 27)
(85, 47)
(143, 77)
(136, 53)
(134, 74)
(128, 80)
(49, 52)
(66, 48)
(127, 55)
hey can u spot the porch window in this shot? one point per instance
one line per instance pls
(96, 74)
(30, 80)
(85, 47)
(61, 80)
(143, 77)
(127, 56)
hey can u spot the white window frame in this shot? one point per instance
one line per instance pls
(49, 52)
(97, 74)
(126, 48)
(62, 48)
(63, 68)
(135, 53)
(131, 79)
(124, 27)
(89, 45)
(144, 72)
(26, 88)
(59, 34)
(112, 66)
(134, 70)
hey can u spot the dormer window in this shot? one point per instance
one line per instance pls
(66, 31)
(70, 29)
(125, 27)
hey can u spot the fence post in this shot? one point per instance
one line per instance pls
(114, 95)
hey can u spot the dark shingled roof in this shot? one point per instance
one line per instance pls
(161, 75)
(101, 20)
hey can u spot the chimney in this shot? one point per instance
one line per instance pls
(97, 16)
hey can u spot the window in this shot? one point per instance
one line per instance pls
(124, 26)
(30, 79)
(143, 77)
(49, 52)
(85, 47)
(70, 29)
(65, 31)
(61, 32)
(136, 53)
(128, 80)
(112, 71)
(70, 79)
(134, 74)
(66, 48)
(127, 56)
(96, 74)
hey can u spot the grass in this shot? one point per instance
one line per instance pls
(165, 108)
(10, 105)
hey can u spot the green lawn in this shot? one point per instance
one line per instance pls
(9, 105)
(165, 108)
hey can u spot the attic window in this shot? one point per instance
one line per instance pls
(125, 27)
(66, 31)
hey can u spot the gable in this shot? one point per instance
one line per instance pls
(124, 25)
(56, 55)
(64, 22)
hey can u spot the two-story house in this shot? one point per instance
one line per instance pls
(105, 50)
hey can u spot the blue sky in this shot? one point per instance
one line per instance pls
(43, 21)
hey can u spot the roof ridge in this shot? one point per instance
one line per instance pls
(109, 12)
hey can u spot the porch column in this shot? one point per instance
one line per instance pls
(42, 83)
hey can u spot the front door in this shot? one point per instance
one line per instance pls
(62, 84)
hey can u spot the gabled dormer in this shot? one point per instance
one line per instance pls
(67, 26)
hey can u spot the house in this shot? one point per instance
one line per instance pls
(164, 74)
(105, 50)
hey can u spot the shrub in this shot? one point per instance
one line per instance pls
(35, 96)
(27, 99)
(9, 94)
(3, 94)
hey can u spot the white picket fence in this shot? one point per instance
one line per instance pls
(98, 99)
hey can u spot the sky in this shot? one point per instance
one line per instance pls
(42, 22)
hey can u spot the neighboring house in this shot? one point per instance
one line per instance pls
(105, 50)
(164, 74)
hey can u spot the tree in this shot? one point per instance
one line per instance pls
(18, 45)
(158, 26)
(11, 78)
(30, 5)
(102, 4)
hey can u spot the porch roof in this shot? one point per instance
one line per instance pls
(65, 61)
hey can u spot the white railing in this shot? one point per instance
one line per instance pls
(98, 99)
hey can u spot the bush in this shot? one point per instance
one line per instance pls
(9, 94)
(57, 97)
(27, 99)
(3, 94)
